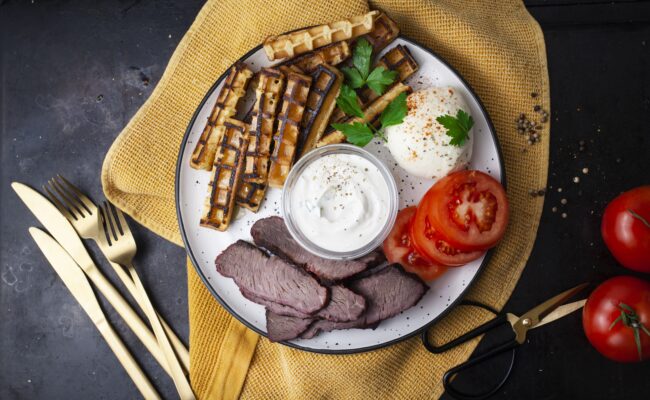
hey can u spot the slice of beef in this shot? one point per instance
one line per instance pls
(274, 307)
(322, 325)
(271, 278)
(344, 305)
(282, 327)
(272, 234)
(387, 293)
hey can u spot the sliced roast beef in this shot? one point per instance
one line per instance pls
(272, 234)
(387, 293)
(282, 327)
(344, 305)
(274, 307)
(271, 278)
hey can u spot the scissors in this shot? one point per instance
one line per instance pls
(549, 311)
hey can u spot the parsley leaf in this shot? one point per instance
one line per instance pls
(379, 79)
(348, 102)
(457, 127)
(395, 112)
(356, 133)
(353, 77)
(361, 57)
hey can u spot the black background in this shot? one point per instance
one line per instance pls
(73, 74)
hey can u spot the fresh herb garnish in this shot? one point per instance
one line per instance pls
(359, 75)
(348, 102)
(361, 133)
(457, 127)
(357, 133)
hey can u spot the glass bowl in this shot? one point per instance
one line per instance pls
(290, 184)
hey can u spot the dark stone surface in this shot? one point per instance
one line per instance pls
(74, 72)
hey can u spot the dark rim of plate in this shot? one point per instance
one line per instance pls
(486, 259)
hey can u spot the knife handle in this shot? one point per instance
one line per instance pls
(128, 315)
(126, 359)
(179, 348)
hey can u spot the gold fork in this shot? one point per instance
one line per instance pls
(85, 217)
(121, 248)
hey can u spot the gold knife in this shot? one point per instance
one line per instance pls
(64, 233)
(76, 282)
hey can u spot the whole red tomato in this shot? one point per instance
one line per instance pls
(626, 228)
(616, 319)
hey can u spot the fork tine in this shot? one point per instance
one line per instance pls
(84, 199)
(108, 216)
(67, 213)
(103, 225)
(124, 227)
(70, 200)
(71, 194)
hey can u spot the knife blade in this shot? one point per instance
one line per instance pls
(54, 222)
(71, 275)
(76, 282)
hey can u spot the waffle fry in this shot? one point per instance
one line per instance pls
(398, 59)
(226, 172)
(301, 41)
(384, 32)
(371, 114)
(286, 137)
(332, 54)
(325, 87)
(270, 84)
(231, 93)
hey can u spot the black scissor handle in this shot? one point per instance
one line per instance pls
(491, 324)
(449, 375)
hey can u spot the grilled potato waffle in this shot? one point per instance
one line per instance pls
(371, 114)
(332, 54)
(285, 139)
(226, 172)
(396, 59)
(325, 88)
(234, 88)
(304, 40)
(384, 31)
(270, 84)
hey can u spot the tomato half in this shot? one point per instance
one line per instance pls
(428, 242)
(626, 228)
(467, 208)
(603, 322)
(399, 249)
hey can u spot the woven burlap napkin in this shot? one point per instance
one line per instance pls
(495, 45)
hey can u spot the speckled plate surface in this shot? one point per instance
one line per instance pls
(203, 245)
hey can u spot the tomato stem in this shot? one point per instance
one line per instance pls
(631, 320)
(640, 218)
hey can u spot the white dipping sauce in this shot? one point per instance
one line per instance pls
(340, 202)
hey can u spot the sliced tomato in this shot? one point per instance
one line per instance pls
(399, 249)
(434, 247)
(469, 209)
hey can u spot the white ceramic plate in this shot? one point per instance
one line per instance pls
(203, 245)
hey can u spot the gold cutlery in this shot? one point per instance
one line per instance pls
(85, 217)
(59, 227)
(120, 248)
(76, 282)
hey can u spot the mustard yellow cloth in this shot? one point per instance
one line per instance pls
(496, 46)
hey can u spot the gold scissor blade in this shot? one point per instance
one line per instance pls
(536, 314)
(561, 311)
